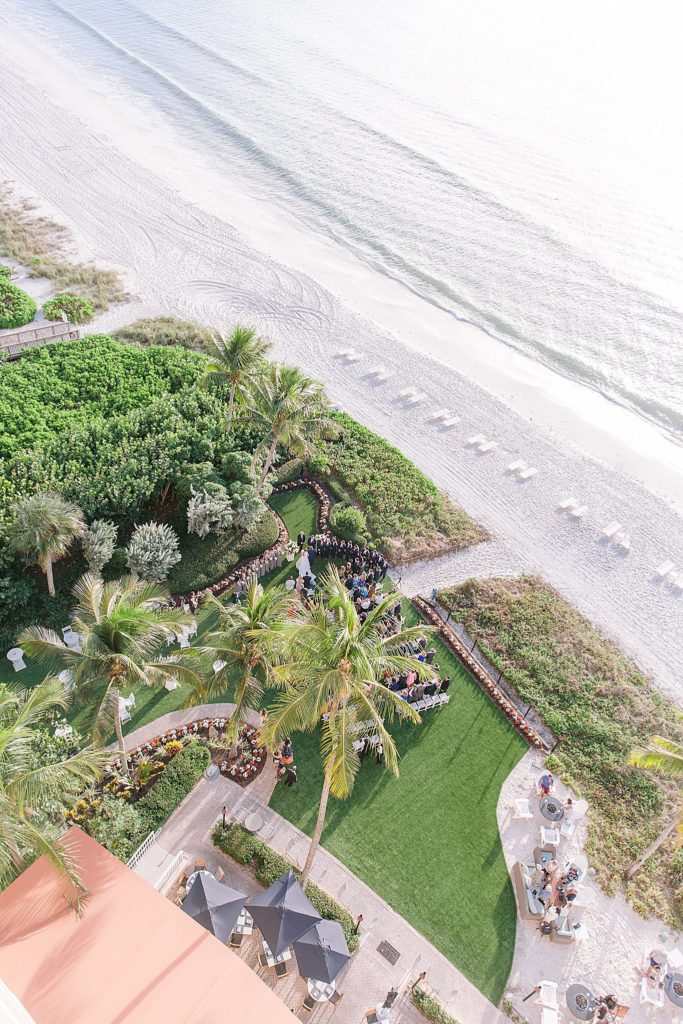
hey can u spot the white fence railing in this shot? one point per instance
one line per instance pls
(171, 871)
(142, 849)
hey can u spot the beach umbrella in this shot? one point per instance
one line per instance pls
(283, 913)
(214, 905)
(321, 952)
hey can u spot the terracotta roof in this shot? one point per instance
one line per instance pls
(132, 958)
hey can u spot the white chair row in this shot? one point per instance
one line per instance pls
(358, 744)
(431, 702)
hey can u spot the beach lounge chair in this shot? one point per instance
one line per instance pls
(420, 397)
(526, 474)
(439, 415)
(451, 421)
(611, 529)
(488, 446)
(407, 392)
(653, 996)
(548, 995)
(344, 353)
(622, 540)
(375, 371)
(550, 836)
(568, 504)
(664, 569)
(476, 440)
(578, 513)
(516, 466)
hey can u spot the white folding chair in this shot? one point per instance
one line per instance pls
(653, 996)
(549, 1016)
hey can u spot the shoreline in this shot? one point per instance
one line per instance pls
(186, 262)
(573, 413)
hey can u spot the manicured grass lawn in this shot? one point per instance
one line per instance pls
(428, 842)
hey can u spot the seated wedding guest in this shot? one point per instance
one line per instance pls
(445, 683)
(417, 692)
(431, 689)
(431, 654)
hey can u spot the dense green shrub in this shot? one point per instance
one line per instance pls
(5, 272)
(119, 826)
(290, 470)
(177, 780)
(430, 1008)
(406, 513)
(268, 865)
(260, 537)
(166, 330)
(16, 306)
(338, 491)
(347, 521)
(599, 706)
(204, 561)
(76, 308)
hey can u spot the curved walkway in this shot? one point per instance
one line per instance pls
(615, 937)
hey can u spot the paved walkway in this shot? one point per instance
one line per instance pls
(369, 975)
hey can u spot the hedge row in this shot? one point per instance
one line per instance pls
(430, 1008)
(246, 848)
(181, 776)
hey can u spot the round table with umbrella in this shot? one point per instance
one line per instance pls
(213, 904)
(283, 913)
(581, 1001)
(673, 987)
(321, 952)
(551, 808)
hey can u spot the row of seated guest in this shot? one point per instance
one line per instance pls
(332, 547)
(411, 689)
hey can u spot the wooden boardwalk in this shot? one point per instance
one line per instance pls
(14, 342)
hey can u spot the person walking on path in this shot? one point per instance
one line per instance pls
(356, 927)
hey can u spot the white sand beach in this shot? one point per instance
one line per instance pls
(180, 238)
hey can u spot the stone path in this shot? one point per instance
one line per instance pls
(369, 975)
(481, 561)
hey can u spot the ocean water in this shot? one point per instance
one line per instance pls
(518, 165)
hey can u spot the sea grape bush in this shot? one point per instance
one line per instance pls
(16, 306)
(76, 308)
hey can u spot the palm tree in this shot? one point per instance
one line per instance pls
(237, 362)
(292, 408)
(121, 627)
(43, 528)
(27, 789)
(664, 756)
(238, 641)
(331, 662)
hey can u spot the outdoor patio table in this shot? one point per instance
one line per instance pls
(551, 808)
(190, 881)
(673, 987)
(245, 923)
(319, 990)
(581, 1002)
(272, 960)
(253, 822)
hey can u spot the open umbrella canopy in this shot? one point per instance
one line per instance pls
(283, 913)
(214, 905)
(321, 952)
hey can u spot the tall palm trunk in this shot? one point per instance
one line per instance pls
(266, 466)
(659, 841)
(119, 732)
(50, 577)
(231, 401)
(315, 840)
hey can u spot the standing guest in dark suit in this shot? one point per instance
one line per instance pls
(291, 776)
(431, 654)
(445, 683)
(301, 540)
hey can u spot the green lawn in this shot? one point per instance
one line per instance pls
(428, 842)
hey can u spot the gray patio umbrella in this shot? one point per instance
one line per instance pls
(321, 952)
(283, 913)
(214, 905)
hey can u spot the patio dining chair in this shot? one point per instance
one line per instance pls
(336, 998)
(236, 939)
(263, 960)
(281, 970)
(308, 1004)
